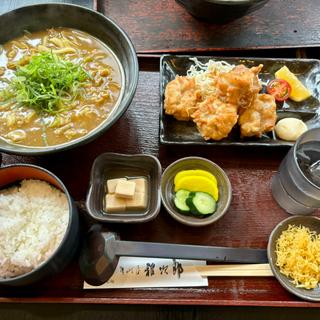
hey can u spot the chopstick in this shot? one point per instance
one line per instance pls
(235, 270)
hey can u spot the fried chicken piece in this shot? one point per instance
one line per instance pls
(260, 117)
(215, 119)
(239, 86)
(181, 97)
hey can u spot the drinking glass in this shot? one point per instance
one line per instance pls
(296, 185)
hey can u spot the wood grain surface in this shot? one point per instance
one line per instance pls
(252, 215)
(164, 26)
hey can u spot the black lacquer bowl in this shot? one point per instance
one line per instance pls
(69, 245)
(220, 11)
(42, 16)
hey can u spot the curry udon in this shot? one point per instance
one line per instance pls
(55, 86)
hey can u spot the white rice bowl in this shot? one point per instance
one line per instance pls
(33, 220)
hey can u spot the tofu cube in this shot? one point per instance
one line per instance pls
(112, 183)
(114, 204)
(141, 184)
(125, 189)
(138, 202)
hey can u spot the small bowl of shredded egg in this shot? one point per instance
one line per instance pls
(293, 253)
(195, 191)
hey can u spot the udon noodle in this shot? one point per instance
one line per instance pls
(97, 93)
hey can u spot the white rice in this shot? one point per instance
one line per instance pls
(33, 220)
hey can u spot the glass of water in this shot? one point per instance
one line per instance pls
(296, 185)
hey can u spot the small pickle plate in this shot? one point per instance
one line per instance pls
(175, 132)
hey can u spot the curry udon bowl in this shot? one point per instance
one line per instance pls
(88, 27)
(55, 257)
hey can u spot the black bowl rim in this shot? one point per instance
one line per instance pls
(70, 205)
(234, 3)
(91, 135)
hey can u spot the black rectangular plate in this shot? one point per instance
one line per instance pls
(175, 132)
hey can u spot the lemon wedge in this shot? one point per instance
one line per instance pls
(298, 91)
(196, 172)
(198, 183)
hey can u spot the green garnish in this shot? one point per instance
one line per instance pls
(47, 83)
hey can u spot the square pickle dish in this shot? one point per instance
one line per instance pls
(175, 132)
(115, 165)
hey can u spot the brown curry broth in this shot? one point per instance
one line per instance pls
(86, 113)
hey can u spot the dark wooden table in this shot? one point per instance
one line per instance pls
(164, 26)
(252, 215)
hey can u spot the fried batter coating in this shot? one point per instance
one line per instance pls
(216, 116)
(181, 97)
(216, 101)
(215, 119)
(239, 86)
(260, 117)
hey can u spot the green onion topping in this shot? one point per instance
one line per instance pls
(47, 83)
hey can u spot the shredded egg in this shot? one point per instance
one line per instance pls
(298, 256)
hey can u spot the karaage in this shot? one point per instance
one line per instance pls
(239, 86)
(215, 119)
(181, 97)
(260, 117)
(219, 97)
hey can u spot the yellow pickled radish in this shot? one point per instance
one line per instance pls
(195, 172)
(198, 183)
(298, 91)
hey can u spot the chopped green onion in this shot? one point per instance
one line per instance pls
(47, 83)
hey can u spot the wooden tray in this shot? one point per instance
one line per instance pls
(164, 26)
(252, 215)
